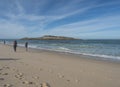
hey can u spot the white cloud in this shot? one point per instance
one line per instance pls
(11, 30)
(19, 7)
(89, 26)
(14, 27)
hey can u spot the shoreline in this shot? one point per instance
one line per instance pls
(37, 67)
(90, 57)
(92, 54)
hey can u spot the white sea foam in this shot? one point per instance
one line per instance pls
(64, 49)
(98, 55)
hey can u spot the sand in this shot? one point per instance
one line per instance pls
(38, 68)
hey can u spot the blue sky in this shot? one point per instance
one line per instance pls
(86, 19)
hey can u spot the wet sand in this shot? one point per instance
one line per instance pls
(38, 68)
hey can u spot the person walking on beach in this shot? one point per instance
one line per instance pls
(15, 45)
(4, 42)
(26, 46)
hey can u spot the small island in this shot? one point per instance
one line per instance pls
(50, 37)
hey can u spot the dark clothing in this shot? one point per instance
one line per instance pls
(4, 42)
(26, 46)
(15, 45)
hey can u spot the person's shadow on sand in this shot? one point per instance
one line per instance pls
(7, 59)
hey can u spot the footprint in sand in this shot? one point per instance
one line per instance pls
(6, 67)
(5, 74)
(1, 69)
(60, 75)
(36, 77)
(1, 79)
(68, 80)
(28, 82)
(8, 85)
(77, 81)
(45, 85)
(41, 69)
(15, 70)
(19, 76)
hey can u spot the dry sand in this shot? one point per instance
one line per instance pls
(37, 68)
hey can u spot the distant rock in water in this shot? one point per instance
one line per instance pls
(50, 37)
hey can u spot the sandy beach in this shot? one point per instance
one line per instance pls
(37, 68)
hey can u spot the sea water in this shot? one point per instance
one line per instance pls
(109, 49)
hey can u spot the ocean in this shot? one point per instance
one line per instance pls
(107, 49)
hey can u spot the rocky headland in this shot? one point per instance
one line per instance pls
(50, 37)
